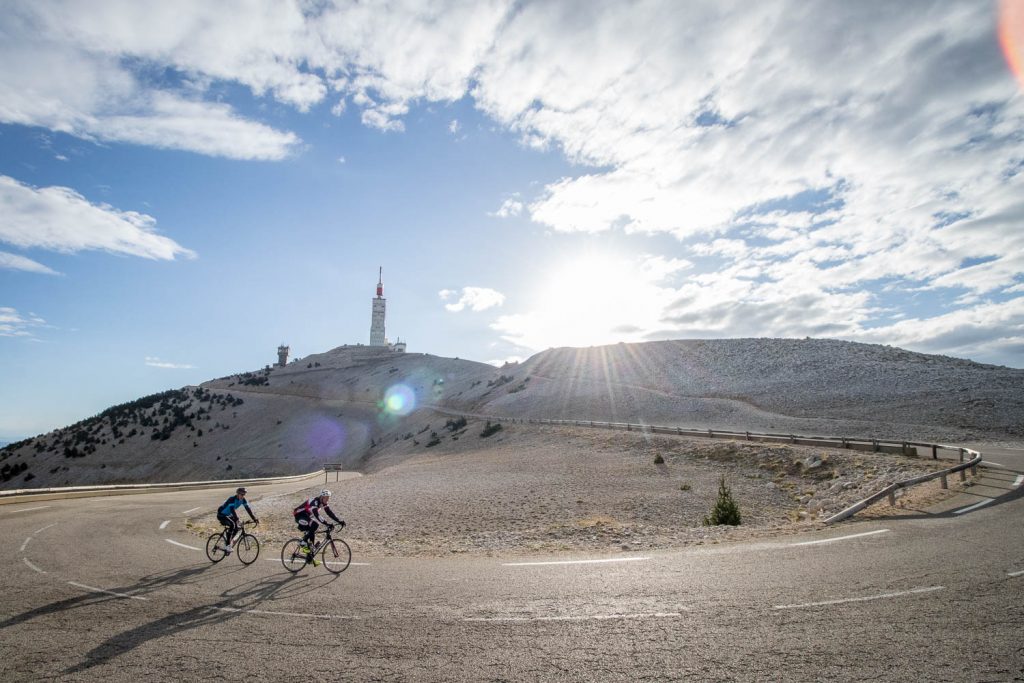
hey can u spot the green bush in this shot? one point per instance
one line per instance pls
(726, 511)
(658, 460)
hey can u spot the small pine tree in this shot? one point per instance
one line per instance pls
(726, 511)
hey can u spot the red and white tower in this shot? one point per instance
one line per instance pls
(377, 337)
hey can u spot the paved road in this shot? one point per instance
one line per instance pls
(92, 588)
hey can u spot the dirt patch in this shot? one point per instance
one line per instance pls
(533, 489)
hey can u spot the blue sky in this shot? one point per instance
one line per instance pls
(183, 188)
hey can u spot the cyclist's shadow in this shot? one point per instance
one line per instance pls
(237, 601)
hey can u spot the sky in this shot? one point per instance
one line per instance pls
(185, 186)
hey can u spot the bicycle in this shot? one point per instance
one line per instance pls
(247, 546)
(334, 553)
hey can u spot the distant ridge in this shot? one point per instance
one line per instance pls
(330, 407)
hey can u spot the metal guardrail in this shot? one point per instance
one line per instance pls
(874, 445)
(20, 495)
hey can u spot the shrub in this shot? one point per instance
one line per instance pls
(658, 460)
(490, 429)
(684, 487)
(433, 442)
(726, 511)
(455, 425)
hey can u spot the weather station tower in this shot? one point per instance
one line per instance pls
(377, 337)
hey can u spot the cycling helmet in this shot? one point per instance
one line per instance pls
(325, 492)
(240, 489)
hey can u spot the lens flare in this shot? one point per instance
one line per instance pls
(1011, 35)
(399, 399)
(326, 437)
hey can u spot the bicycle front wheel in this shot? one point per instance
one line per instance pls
(247, 548)
(215, 547)
(336, 556)
(292, 556)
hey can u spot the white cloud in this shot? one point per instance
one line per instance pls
(473, 298)
(13, 324)
(15, 262)
(154, 362)
(510, 207)
(60, 219)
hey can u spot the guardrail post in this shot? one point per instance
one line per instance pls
(629, 427)
(963, 475)
(974, 470)
(711, 434)
(748, 436)
(874, 445)
(845, 443)
(961, 455)
(935, 452)
(679, 431)
(792, 438)
(903, 448)
(892, 498)
(945, 484)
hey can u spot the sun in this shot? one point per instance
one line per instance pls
(590, 299)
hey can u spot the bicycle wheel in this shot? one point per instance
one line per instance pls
(215, 547)
(292, 556)
(247, 547)
(336, 556)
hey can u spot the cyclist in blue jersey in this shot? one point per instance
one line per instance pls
(227, 514)
(308, 519)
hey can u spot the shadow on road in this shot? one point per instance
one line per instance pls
(238, 600)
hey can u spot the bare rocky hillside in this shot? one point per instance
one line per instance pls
(346, 405)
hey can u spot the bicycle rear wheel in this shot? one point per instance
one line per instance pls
(215, 547)
(247, 547)
(292, 556)
(336, 556)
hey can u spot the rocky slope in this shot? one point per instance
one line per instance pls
(345, 405)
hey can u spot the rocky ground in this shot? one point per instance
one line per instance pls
(532, 489)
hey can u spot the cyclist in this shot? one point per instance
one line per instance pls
(227, 514)
(307, 517)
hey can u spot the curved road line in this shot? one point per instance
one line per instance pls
(866, 598)
(838, 538)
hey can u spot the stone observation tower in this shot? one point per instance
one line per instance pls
(282, 355)
(377, 337)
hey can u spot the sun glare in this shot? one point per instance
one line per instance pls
(1011, 35)
(588, 300)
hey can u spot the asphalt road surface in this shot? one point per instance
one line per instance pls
(101, 588)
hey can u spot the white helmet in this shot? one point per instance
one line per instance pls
(326, 493)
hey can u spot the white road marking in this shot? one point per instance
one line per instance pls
(840, 538)
(188, 511)
(351, 564)
(1018, 481)
(32, 566)
(41, 507)
(100, 590)
(283, 614)
(973, 507)
(537, 564)
(163, 525)
(994, 464)
(190, 547)
(1015, 573)
(841, 601)
(595, 617)
(44, 528)
(25, 544)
